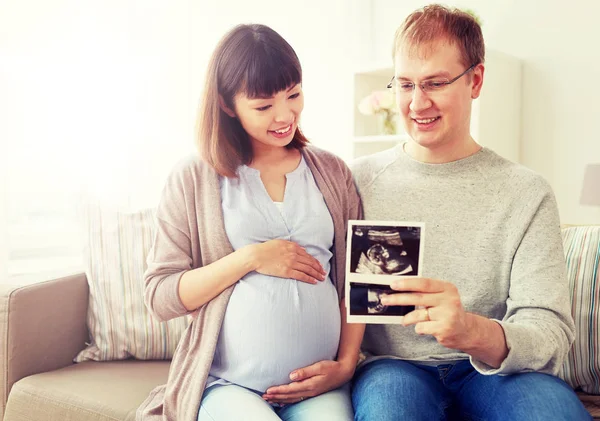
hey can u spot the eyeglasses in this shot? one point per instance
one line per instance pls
(430, 85)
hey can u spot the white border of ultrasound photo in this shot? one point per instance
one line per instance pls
(363, 271)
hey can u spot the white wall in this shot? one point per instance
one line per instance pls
(4, 114)
(101, 98)
(558, 44)
(3, 218)
(93, 85)
(98, 94)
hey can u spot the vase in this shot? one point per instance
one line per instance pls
(387, 123)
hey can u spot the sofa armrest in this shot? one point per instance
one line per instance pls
(42, 328)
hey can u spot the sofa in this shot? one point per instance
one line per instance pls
(43, 326)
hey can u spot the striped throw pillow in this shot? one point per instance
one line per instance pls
(581, 369)
(116, 246)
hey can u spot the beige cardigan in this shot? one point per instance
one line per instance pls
(190, 234)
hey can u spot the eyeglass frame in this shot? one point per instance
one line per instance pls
(451, 81)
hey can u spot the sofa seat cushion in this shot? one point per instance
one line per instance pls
(94, 391)
(591, 403)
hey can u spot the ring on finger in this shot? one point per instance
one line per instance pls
(427, 316)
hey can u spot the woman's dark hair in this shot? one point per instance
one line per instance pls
(257, 61)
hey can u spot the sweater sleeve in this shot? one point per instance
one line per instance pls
(171, 253)
(538, 325)
(350, 208)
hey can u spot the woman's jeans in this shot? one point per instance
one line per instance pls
(394, 390)
(236, 403)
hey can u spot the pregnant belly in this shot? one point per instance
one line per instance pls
(273, 326)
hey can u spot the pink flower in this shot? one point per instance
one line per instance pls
(376, 102)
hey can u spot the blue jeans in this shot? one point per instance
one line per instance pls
(236, 403)
(394, 390)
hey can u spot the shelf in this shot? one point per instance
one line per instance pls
(380, 138)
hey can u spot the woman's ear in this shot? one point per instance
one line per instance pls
(225, 108)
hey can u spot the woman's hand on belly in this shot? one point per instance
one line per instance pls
(285, 259)
(311, 381)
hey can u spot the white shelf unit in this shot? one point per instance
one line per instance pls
(495, 119)
(365, 130)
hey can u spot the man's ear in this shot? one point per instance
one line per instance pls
(477, 80)
(225, 108)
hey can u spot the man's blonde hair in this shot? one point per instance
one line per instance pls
(437, 22)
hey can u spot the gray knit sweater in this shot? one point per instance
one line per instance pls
(492, 229)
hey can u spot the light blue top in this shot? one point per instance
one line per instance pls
(272, 325)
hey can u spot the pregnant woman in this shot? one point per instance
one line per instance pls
(251, 242)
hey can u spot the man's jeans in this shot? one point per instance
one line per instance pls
(394, 390)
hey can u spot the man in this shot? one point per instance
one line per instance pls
(492, 323)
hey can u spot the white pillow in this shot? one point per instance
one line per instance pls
(116, 247)
(581, 368)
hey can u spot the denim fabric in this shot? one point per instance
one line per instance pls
(236, 403)
(394, 390)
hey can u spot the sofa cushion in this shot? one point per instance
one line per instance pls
(116, 246)
(582, 252)
(90, 391)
